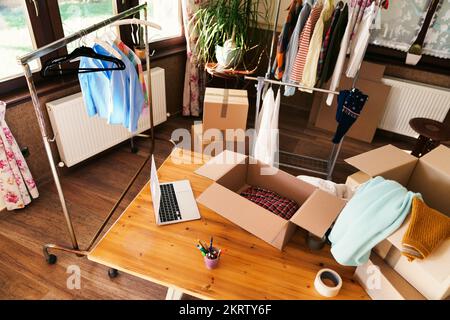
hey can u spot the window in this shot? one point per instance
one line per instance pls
(166, 13)
(16, 38)
(29, 24)
(76, 15)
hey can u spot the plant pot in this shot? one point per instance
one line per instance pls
(140, 52)
(228, 57)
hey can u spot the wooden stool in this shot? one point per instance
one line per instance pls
(431, 133)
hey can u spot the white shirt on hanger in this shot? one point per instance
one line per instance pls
(266, 142)
(361, 41)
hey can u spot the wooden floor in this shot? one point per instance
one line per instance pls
(90, 191)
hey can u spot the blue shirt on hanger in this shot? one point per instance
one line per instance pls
(115, 95)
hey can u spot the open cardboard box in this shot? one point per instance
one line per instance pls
(233, 172)
(429, 175)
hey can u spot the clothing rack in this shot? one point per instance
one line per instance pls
(24, 61)
(324, 167)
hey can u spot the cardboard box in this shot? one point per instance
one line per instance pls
(381, 282)
(429, 175)
(356, 179)
(213, 146)
(225, 109)
(430, 276)
(234, 172)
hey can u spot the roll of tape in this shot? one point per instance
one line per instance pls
(322, 288)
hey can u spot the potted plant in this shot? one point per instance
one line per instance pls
(227, 29)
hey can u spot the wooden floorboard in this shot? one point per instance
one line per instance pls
(91, 189)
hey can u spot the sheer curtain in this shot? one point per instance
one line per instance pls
(401, 23)
(194, 81)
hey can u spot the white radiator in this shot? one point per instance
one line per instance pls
(409, 100)
(79, 136)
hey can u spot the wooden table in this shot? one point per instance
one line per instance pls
(249, 269)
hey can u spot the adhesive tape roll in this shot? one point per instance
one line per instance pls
(322, 288)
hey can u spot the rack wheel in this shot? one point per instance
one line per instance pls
(134, 149)
(51, 259)
(112, 273)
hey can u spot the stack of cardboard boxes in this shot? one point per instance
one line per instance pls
(388, 275)
(430, 176)
(224, 122)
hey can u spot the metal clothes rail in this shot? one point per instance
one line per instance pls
(24, 61)
(324, 167)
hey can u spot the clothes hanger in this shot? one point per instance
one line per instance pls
(53, 67)
(105, 45)
(137, 21)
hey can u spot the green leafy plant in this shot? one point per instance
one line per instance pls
(220, 20)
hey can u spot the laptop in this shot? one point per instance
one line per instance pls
(173, 202)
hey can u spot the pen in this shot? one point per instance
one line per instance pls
(203, 246)
(202, 250)
(211, 245)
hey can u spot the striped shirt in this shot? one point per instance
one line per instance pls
(305, 37)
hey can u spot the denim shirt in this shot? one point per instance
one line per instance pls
(115, 95)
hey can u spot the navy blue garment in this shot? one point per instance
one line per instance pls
(349, 107)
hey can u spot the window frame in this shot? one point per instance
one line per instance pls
(43, 33)
(47, 27)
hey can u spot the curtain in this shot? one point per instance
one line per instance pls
(194, 79)
(401, 23)
(17, 186)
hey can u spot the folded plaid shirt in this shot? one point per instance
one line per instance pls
(271, 201)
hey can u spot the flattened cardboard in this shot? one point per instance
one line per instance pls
(388, 161)
(365, 127)
(318, 213)
(225, 109)
(391, 285)
(224, 198)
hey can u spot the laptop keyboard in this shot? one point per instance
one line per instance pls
(168, 208)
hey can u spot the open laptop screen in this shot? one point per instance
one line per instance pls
(155, 188)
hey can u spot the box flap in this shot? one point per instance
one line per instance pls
(318, 213)
(242, 212)
(439, 159)
(388, 162)
(436, 264)
(216, 167)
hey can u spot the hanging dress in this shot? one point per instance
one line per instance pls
(17, 186)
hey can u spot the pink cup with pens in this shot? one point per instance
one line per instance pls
(212, 260)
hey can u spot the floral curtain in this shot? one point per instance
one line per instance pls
(194, 79)
(401, 23)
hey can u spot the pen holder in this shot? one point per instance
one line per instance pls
(211, 263)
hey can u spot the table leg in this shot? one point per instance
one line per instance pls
(173, 294)
(420, 146)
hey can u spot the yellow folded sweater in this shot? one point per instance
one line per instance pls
(427, 229)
